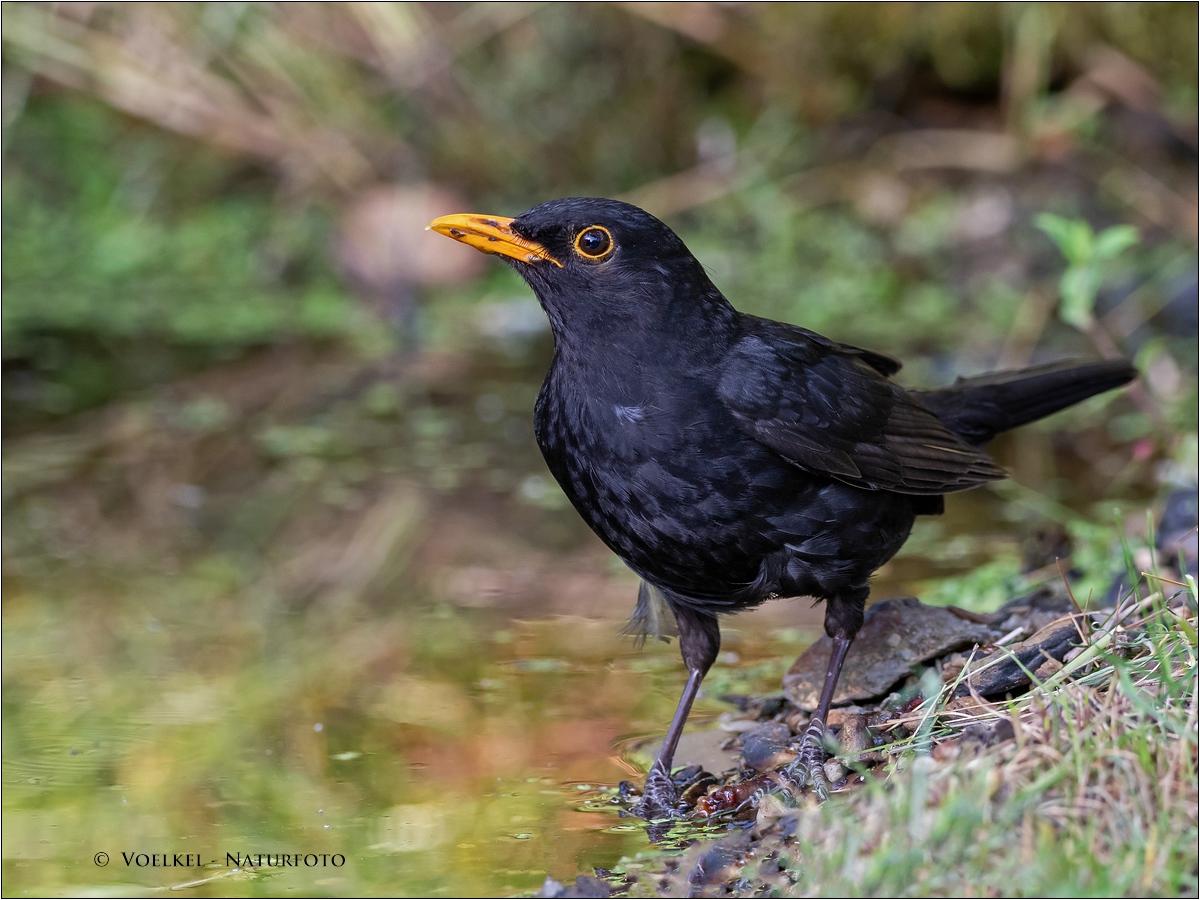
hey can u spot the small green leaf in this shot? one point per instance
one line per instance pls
(1073, 237)
(1111, 242)
(1078, 287)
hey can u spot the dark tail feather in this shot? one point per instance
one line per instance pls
(977, 409)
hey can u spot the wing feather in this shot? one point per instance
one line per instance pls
(831, 409)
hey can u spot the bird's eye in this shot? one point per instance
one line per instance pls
(594, 243)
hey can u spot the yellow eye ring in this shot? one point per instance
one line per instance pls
(594, 243)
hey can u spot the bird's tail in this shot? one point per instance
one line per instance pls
(977, 409)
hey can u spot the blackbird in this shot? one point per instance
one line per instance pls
(729, 459)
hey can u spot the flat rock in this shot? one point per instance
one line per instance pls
(896, 636)
(992, 677)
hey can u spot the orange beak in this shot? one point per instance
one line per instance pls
(491, 234)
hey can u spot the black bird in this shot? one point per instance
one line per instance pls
(729, 459)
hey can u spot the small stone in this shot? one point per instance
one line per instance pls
(797, 720)
(551, 888)
(737, 726)
(974, 736)
(834, 771)
(838, 715)
(1034, 611)
(719, 864)
(1047, 668)
(951, 671)
(854, 738)
(771, 809)
(978, 735)
(960, 707)
(1002, 731)
(880, 717)
(946, 751)
(766, 747)
(589, 886)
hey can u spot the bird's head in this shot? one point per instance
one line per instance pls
(596, 265)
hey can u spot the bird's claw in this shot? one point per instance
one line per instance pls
(660, 799)
(809, 766)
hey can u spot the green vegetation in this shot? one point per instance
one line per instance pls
(1085, 252)
(129, 261)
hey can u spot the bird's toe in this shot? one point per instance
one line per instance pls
(808, 769)
(660, 798)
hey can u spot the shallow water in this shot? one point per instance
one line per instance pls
(470, 765)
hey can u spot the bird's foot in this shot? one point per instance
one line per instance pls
(809, 766)
(660, 798)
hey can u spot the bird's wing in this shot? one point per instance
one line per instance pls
(829, 409)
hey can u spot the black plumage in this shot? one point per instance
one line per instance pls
(730, 459)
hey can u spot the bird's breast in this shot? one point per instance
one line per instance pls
(629, 415)
(661, 473)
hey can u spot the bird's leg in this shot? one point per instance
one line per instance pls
(808, 767)
(843, 619)
(660, 799)
(699, 643)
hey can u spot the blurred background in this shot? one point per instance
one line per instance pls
(283, 568)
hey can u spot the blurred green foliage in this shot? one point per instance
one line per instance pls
(129, 256)
(185, 212)
(825, 269)
(1085, 252)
